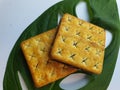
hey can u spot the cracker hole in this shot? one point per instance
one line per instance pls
(50, 36)
(38, 40)
(52, 73)
(66, 28)
(80, 23)
(41, 78)
(98, 52)
(32, 56)
(72, 56)
(87, 48)
(65, 67)
(100, 32)
(59, 51)
(84, 60)
(63, 39)
(37, 65)
(100, 42)
(69, 19)
(96, 65)
(75, 44)
(89, 37)
(28, 45)
(43, 50)
(48, 62)
(78, 33)
(90, 28)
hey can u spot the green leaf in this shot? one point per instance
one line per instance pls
(102, 12)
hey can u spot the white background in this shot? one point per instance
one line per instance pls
(16, 15)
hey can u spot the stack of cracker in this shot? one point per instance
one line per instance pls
(74, 45)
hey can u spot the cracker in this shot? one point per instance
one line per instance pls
(80, 44)
(43, 69)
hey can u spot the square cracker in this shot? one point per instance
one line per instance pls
(43, 69)
(80, 44)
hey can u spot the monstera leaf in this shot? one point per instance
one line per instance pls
(101, 12)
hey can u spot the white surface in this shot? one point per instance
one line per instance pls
(16, 15)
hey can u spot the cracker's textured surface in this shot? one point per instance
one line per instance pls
(80, 44)
(43, 69)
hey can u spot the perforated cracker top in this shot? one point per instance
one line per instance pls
(43, 69)
(80, 44)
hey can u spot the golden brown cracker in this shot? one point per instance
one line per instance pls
(80, 44)
(43, 69)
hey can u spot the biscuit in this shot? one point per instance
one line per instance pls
(43, 69)
(80, 44)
